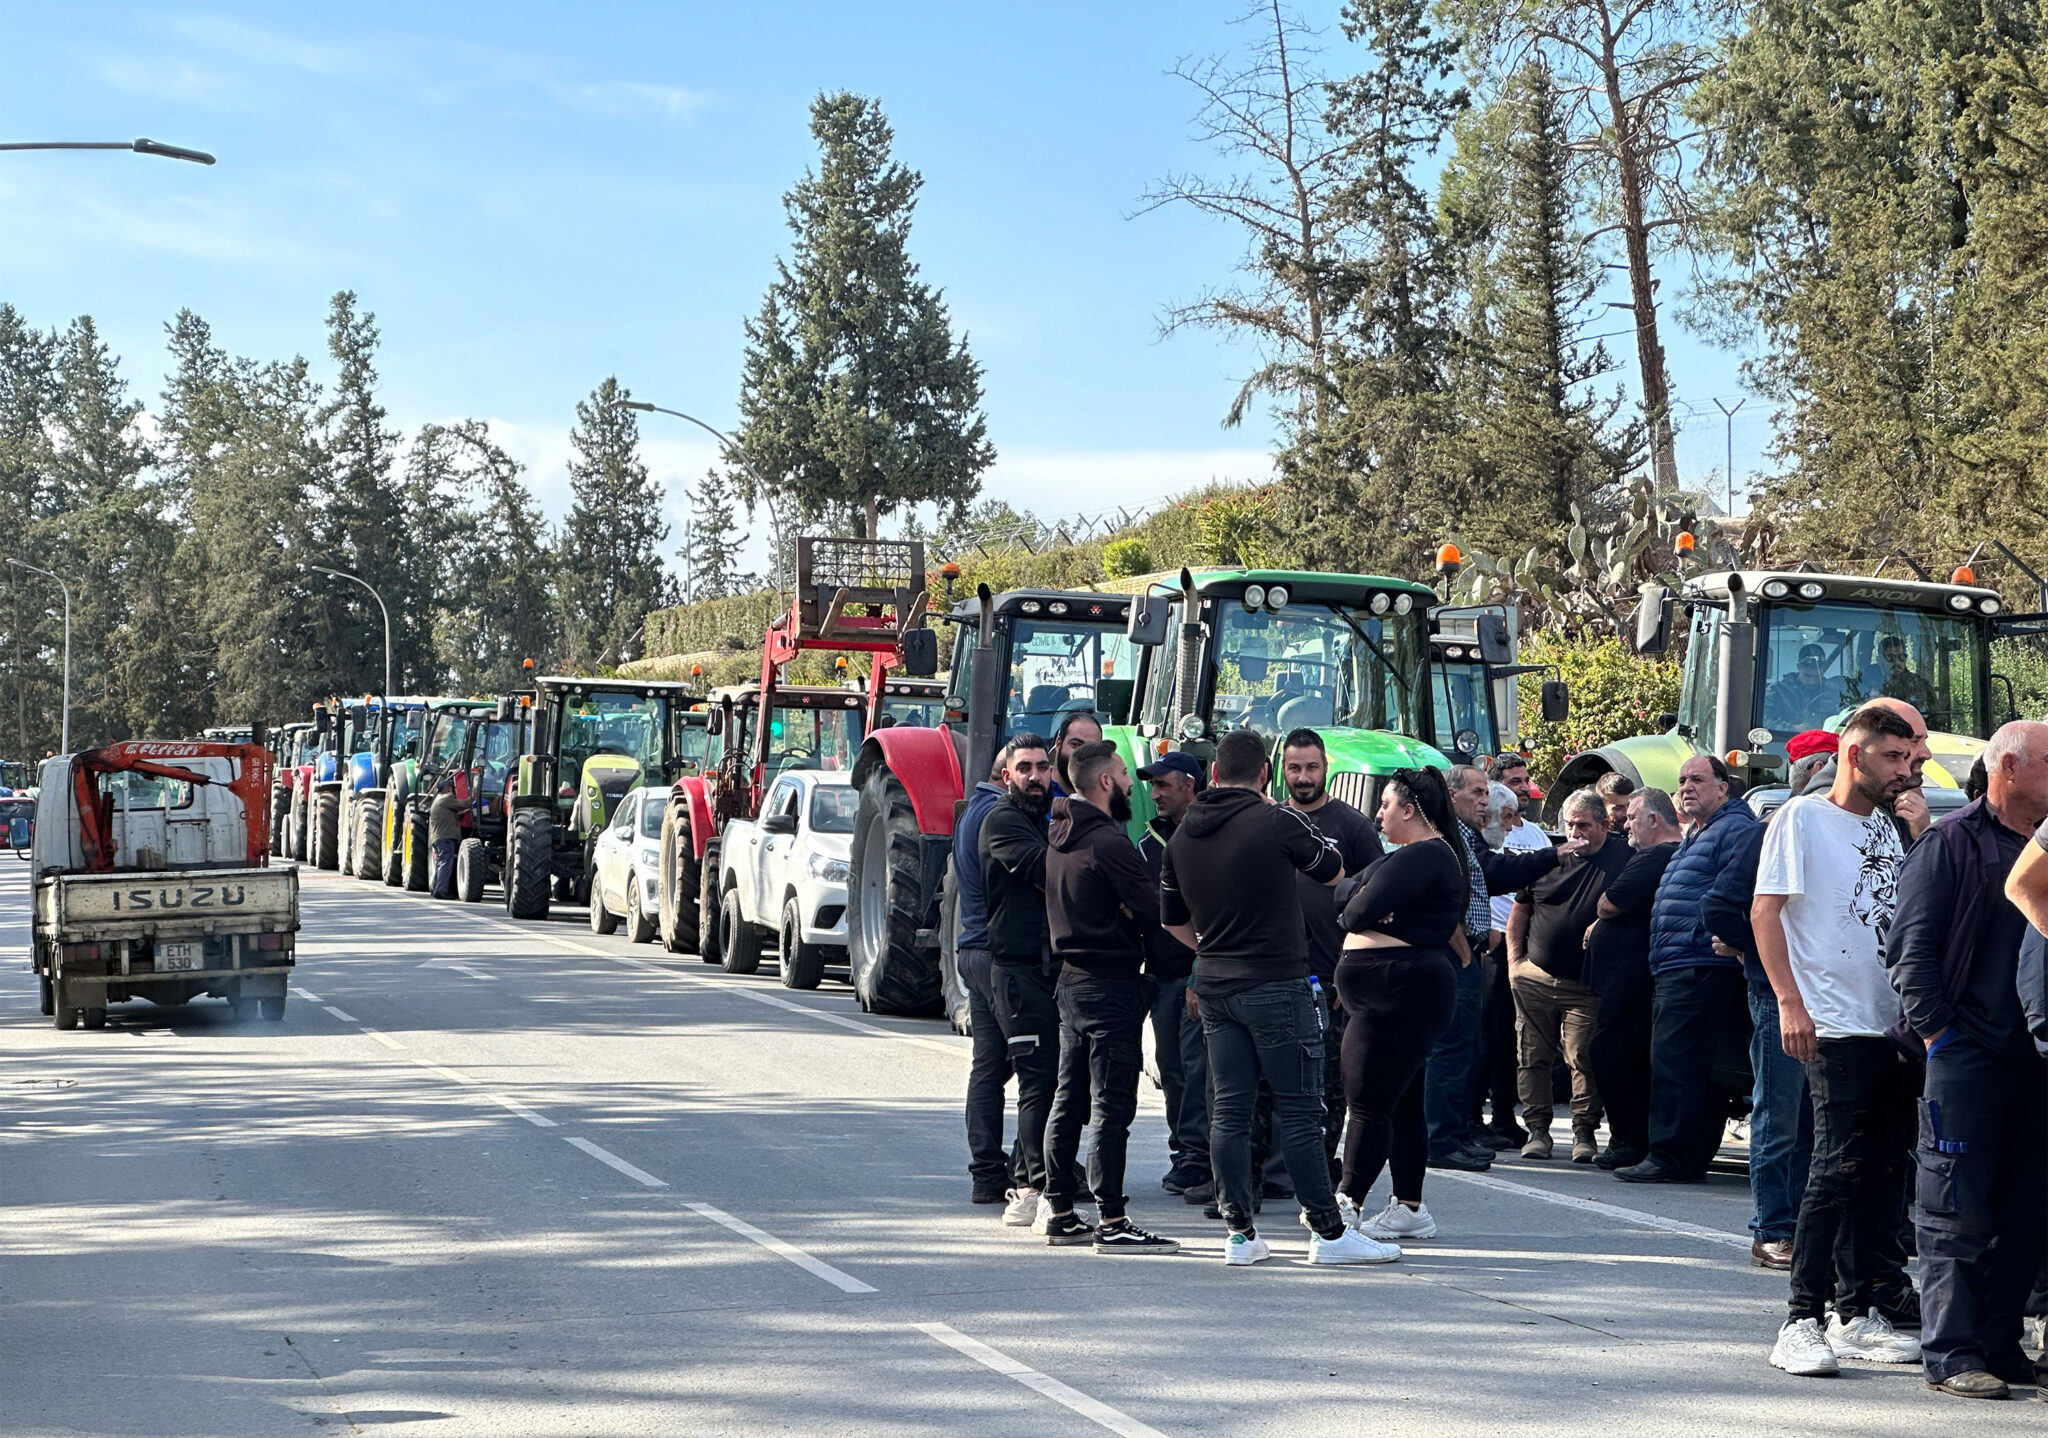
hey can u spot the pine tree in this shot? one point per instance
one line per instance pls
(855, 398)
(712, 557)
(28, 390)
(501, 608)
(609, 573)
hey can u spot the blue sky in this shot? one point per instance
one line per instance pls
(531, 197)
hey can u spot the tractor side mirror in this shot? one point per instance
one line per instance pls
(714, 722)
(321, 723)
(1557, 701)
(920, 653)
(1653, 620)
(1494, 645)
(1148, 622)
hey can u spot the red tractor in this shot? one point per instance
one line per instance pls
(858, 595)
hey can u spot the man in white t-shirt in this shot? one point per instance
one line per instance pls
(1826, 889)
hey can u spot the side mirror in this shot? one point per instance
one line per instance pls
(1666, 721)
(1653, 620)
(321, 723)
(779, 824)
(1557, 701)
(920, 653)
(1494, 645)
(1149, 619)
(714, 722)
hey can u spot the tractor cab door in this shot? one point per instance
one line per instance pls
(2018, 645)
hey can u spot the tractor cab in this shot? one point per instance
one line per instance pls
(914, 703)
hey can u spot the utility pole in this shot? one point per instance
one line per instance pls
(1729, 415)
(358, 579)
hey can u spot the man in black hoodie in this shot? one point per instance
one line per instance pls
(1098, 900)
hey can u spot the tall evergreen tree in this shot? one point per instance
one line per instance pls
(855, 398)
(609, 572)
(501, 608)
(713, 554)
(28, 393)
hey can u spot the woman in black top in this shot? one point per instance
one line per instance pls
(1399, 986)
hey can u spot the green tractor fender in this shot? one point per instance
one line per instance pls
(607, 779)
(1651, 761)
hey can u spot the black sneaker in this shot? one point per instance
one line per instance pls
(990, 1195)
(1178, 1183)
(1611, 1158)
(1064, 1230)
(1461, 1161)
(1120, 1235)
(1213, 1209)
(1500, 1140)
(1203, 1192)
(1900, 1310)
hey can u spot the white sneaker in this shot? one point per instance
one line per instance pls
(1397, 1222)
(1351, 1247)
(1043, 1217)
(1022, 1208)
(1871, 1338)
(1242, 1252)
(1802, 1350)
(2035, 1334)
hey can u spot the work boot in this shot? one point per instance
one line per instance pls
(1539, 1145)
(1585, 1148)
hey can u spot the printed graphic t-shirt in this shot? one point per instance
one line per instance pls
(1840, 875)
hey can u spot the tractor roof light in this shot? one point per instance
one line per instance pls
(1276, 597)
(1381, 601)
(1989, 605)
(1254, 596)
(1685, 543)
(1403, 603)
(1030, 606)
(1058, 606)
(1776, 589)
(1963, 575)
(1811, 589)
(1959, 602)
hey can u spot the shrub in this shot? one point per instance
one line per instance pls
(1615, 694)
(1122, 558)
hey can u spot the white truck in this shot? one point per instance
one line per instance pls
(152, 877)
(785, 877)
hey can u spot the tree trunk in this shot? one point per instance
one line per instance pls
(873, 517)
(1641, 284)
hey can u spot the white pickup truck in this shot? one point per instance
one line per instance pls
(152, 880)
(785, 876)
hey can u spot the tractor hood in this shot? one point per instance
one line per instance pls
(1374, 751)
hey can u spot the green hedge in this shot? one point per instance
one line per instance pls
(1615, 694)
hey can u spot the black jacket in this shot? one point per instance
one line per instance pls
(1099, 900)
(1166, 958)
(1230, 871)
(1013, 883)
(1958, 965)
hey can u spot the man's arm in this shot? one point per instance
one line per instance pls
(1518, 931)
(1795, 1025)
(1016, 843)
(1727, 908)
(2027, 884)
(1913, 945)
(1131, 882)
(1507, 870)
(1306, 848)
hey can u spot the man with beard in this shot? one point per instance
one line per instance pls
(1826, 890)
(1305, 769)
(1020, 956)
(993, 1169)
(1175, 779)
(1078, 728)
(1098, 904)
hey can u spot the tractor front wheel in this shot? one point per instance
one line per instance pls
(680, 877)
(370, 837)
(529, 863)
(891, 901)
(326, 831)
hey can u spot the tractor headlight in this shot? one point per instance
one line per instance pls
(1989, 606)
(1776, 589)
(826, 869)
(1254, 596)
(1192, 727)
(1276, 597)
(1959, 602)
(1403, 603)
(1381, 601)
(1811, 589)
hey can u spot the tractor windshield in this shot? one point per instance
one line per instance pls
(1320, 665)
(407, 727)
(628, 725)
(801, 738)
(1818, 661)
(915, 711)
(1462, 703)
(1057, 667)
(451, 733)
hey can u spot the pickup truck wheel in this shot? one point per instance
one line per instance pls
(639, 928)
(48, 993)
(370, 838)
(677, 917)
(273, 1009)
(708, 911)
(742, 949)
(602, 920)
(469, 871)
(95, 1018)
(802, 964)
(326, 831)
(417, 853)
(529, 863)
(891, 897)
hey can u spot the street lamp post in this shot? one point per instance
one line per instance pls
(357, 579)
(143, 146)
(64, 743)
(732, 451)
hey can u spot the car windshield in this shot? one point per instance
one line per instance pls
(1458, 695)
(832, 808)
(653, 804)
(1319, 665)
(1056, 668)
(628, 725)
(1819, 661)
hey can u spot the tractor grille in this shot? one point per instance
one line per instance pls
(1360, 791)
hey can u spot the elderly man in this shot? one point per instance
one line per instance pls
(1982, 1189)
(1618, 972)
(1699, 991)
(1554, 1008)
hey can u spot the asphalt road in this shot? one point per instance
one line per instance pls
(498, 1178)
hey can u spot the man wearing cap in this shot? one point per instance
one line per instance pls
(1182, 1054)
(1804, 698)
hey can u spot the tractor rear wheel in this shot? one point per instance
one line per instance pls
(529, 863)
(370, 837)
(326, 831)
(417, 853)
(470, 864)
(677, 917)
(396, 808)
(709, 929)
(891, 900)
(952, 992)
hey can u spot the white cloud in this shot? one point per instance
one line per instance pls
(622, 99)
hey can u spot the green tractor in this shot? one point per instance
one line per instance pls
(409, 788)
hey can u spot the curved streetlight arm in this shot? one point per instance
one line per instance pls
(64, 743)
(733, 451)
(358, 579)
(143, 146)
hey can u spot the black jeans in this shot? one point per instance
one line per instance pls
(1863, 1097)
(1980, 1203)
(1102, 1054)
(1184, 1075)
(1030, 1022)
(1269, 1030)
(1498, 1062)
(1401, 1001)
(1691, 1017)
(1621, 1049)
(988, 1163)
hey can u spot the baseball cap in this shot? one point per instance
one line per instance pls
(1174, 763)
(1811, 741)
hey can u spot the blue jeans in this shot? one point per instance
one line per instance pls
(1269, 1031)
(1453, 1065)
(1184, 1073)
(1780, 1124)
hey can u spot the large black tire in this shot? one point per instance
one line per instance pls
(529, 863)
(741, 953)
(892, 898)
(273, 1009)
(95, 1017)
(65, 1014)
(709, 916)
(952, 992)
(369, 853)
(680, 876)
(802, 964)
(470, 866)
(326, 831)
(396, 811)
(279, 810)
(418, 856)
(48, 993)
(295, 827)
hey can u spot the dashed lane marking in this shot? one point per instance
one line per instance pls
(381, 1037)
(816, 1267)
(307, 994)
(345, 1018)
(1634, 1217)
(611, 1160)
(538, 1120)
(1093, 1409)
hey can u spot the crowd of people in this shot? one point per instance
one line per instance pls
(1334, 995)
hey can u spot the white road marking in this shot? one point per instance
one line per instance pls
(816, 1267)
(538, 1120)
(605, 1156)
(1634, 1217)
(307, 994)
(381, 1037)
(345, 1018)
(1092, 1409)
(460, 968)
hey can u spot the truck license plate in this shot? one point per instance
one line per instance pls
(177, 956)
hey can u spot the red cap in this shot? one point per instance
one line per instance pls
(1813, 741)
